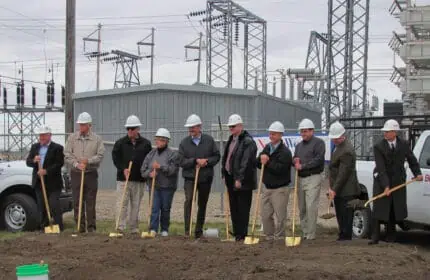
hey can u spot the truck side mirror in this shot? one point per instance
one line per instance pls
(428, 161)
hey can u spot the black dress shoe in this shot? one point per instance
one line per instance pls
(240, 238)
(373, 242)
(390, 239)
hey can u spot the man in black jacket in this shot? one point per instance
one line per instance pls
(390, 154)
(50, 156)
(132, 147)
(276, 177)
(344, 185)
(197, 149)
(239, 166)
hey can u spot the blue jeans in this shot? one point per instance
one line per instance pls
(162, 203)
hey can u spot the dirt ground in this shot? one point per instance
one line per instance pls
(99, 257)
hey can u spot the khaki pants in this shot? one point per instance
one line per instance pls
(308, 196)
(274, 211)
(131, 205)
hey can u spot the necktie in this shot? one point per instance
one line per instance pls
(392, 147)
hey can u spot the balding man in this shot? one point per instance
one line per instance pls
(50, 158)
(84, 151)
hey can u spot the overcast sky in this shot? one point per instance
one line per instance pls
(33, 32)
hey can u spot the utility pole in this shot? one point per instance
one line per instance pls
(152, 54)
(99, 43)
(152, 45)
(96, 54)
(192, 46)
(70, 63)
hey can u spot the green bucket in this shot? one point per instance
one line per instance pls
(32, 270)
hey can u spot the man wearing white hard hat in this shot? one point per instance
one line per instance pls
(50, 157)
(344, 185)
(132, 147)
(161, 162)
(84, 152)
(239, 171)
(197, 149)
(276, 178)
(390, 154)
(309, 161)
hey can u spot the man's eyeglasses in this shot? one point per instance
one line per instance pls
(131, 128)
(231, 126)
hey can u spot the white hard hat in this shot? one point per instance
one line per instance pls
(234, 120)
(193, 120)
(84, 118)
(336, 130)
(276, 127)
(306, 124)
(132, 121)
(43, 130)
(391, 125)
(162, 132)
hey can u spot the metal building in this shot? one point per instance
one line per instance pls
(168, 106)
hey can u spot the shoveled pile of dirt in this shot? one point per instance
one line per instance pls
(100, 257)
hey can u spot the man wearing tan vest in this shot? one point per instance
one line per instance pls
(84, 151)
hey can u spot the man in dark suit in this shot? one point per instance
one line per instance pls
(390, 155)
(51, 158)
(344, 185)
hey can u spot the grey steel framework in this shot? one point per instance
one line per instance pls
(315, 85)
(221, 17)
(126, 70)
(348, 40)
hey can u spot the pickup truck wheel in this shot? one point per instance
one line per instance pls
(20, 213)
(361, 223)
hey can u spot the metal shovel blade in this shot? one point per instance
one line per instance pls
(146, 234)
(211, 232)
(251, 240)
(52, 229)
(292, 241)
(327, 216)
(115, 234)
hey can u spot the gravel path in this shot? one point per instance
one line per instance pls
(106, 209)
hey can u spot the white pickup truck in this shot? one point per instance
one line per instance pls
(418, 193)
(18, 209)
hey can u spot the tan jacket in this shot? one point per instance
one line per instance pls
(78, 147)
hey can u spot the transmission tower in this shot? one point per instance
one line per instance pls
(340, 57)
(224, 20)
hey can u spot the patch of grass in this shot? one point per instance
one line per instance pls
(6, 235)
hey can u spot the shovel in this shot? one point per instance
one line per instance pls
(251, 240)
(293, 240)
(227, 218)
(149, 234)
(391, 190)
(117, 233)
(81, 194)
(196, 179)
(328, 215)
(51, 228)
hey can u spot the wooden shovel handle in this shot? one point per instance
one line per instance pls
(196, 179)
(391, 190)
(257, 206)
(45, 196)
(151, 199)
(130, 164)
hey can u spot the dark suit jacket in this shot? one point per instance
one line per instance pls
(390, 172)
(343, 174)
(53, 162)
